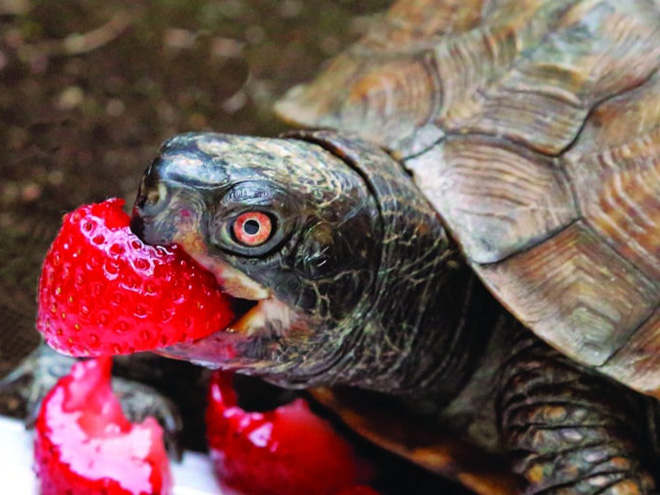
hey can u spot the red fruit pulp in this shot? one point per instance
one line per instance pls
(85, 446)
(102, 291)
(287, 451)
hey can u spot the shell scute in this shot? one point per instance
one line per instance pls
(410, 22)
(577, 292)
(594, 51)
(618, 191)
(637, 364)
(495, 197)
(396, 96)
(381, 91)
(620, 119)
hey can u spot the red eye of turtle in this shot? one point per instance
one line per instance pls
(253, 228)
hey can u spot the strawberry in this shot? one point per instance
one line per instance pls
(103, 291)
(287, 451)
(85, 446)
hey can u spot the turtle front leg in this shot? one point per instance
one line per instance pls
(22, 390)
(569, 430)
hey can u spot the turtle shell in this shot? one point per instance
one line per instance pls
(533, 127)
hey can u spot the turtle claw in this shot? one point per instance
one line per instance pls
(23, 390)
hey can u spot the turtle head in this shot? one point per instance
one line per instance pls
(291, 233)
(339, 268)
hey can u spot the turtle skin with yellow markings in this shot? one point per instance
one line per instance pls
(472, 241)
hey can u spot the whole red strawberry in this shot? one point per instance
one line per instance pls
(85, 446)
(103, 291)
(287, 451)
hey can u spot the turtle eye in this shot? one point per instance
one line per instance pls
(252, 229)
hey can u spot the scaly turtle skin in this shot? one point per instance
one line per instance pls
(523, 165)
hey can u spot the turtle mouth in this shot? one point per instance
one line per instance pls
(257, 309)
(254, 318)
(259, 316)
(256, 321)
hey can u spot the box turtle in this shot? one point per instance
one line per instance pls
(474, 236)
(471, 243)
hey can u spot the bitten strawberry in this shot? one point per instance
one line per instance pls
(85, 446)
(287, 451)
(103, 291)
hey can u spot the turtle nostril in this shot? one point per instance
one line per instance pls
(156, 194)
(152, 197)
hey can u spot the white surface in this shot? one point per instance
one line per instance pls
(16, 458)
(194, 476)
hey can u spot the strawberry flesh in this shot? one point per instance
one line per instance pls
(84, 445)
(103, 291)
(286, 451)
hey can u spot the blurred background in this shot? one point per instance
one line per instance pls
(90, 88)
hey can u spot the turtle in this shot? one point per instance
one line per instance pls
(466, 226)
(461, 242)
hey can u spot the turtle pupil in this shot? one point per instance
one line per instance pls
(251, 227)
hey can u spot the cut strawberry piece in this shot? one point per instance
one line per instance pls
(85, 446)
(287, 451)
(102, 291)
